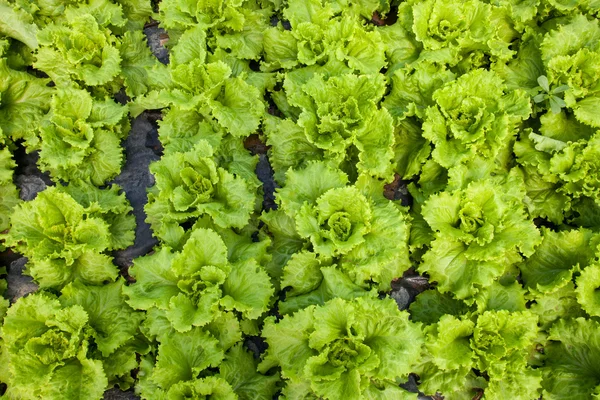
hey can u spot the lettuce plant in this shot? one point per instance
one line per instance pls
(73, 346)
(321, 32)
(191, 184)
(24, 101)
(66, 232)
(234, 104)
(453, 30)
(84, 49)
(81, 137)
(344, 349)
(480, 231)
(473, 117)
(195, 286)
(79, 50)
(337, 114)
(363, 233)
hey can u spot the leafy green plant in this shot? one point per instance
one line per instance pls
(71, 346)
(190, 185)
(556, 103)
(66, 231)
(196, 286)
(434, 156)
(81, 137)
(346, 349)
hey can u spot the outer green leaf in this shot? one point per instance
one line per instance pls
(113, 321)
(587, 289)
(382, 256)
(155, 282)
(90, 381)
(558, 257)
(431, 305)
(559, 304)
(308, 184)
(333, 283)
(212, 386)
(182, 356)
(239, 369)
(571, 371)
(16, 24)
(247, 289)
(448, 342)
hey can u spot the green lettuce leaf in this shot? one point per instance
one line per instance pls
(9, 194)
(588, 283)
(558, 304)
(285, 241)
(307, 185)
(17, 24)
(289, 147)
(140, 70)
(448, 343)
(570, 370)
(239, 369)
(431, 305)
(321, 284)
(560, 255)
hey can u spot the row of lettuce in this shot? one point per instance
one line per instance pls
(489, 110)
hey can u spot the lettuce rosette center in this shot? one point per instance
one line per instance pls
(444, 29)
(347, 353)
(340, 226)
(337, 222)
(339, 117)
(196, 185)
(470, 121)
(196, 188)
(472, 221)
(53, 346)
